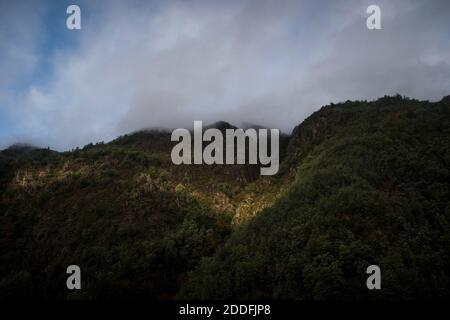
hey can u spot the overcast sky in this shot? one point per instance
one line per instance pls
(139, 64)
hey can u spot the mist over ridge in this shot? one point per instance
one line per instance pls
(167, 63)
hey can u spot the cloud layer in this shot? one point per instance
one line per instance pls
(165, 64)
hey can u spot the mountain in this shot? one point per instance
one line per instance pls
(360, 183)
(371, 187)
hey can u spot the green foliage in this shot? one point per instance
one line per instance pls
(371, 188)
(360, 183)
(180, 188)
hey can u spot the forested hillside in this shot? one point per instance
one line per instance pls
(360, 183)
(371, 187)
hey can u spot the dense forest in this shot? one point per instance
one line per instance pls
(360, 183)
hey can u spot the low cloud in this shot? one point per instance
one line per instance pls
(165, 64)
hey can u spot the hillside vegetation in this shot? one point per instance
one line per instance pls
(360, 183)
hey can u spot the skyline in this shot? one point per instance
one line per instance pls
(165, 64)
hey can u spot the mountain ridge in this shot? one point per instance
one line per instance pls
(138, 226)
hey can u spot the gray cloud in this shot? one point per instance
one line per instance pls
(19, 35)
(165, 64)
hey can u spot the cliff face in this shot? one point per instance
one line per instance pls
(361, 183)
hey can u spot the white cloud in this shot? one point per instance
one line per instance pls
(266, 62)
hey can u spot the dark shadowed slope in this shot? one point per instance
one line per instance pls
(360, 183)
(371, 187)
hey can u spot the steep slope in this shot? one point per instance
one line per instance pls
(360, 183)
(371, 187)
(133, 221)
(105, 209)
